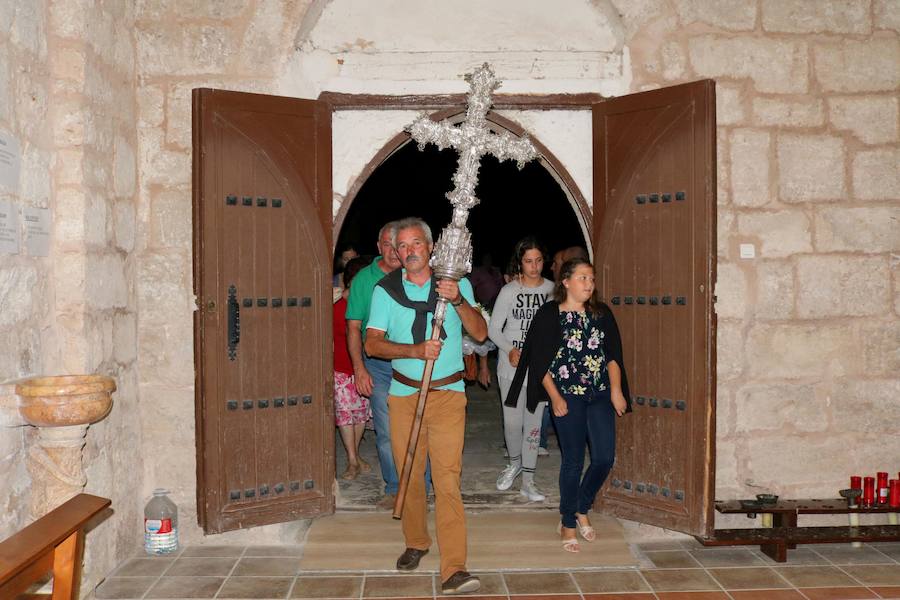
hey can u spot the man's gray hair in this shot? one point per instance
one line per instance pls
(391, 227)
(408, 223)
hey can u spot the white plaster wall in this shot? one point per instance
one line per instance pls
(419, 47)
(509, 26)
(357, 135)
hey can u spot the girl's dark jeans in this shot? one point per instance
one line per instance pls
(591, 424)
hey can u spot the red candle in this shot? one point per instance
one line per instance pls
(882, 488)
(855, 482)
(868, 499)
(894, 499)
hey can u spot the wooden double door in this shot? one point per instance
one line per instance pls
(262, 271)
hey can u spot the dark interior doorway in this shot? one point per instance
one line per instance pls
(514, 203)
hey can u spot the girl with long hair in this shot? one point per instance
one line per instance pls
(514, 308)
(573, 358)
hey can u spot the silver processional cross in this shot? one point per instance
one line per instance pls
(452, 255)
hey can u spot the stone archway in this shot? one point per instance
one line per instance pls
(548, 160)
(485, 456)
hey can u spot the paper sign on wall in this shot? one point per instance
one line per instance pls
(37, 231)
(10, 161)
(9, 228)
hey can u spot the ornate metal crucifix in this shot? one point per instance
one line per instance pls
(452, 257)
(452, 254)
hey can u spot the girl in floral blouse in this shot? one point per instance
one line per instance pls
(573, 357)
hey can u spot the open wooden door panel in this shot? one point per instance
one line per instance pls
(262, 334)
(655, 251)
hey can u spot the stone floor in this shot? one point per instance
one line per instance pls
(667, 570)
(483, 459)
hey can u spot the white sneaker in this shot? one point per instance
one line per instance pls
(530, 491)
(543, 451)
(507, 476)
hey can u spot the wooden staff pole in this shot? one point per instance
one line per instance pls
(436, 326)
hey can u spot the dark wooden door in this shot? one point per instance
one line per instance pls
(655, 247)
(262, 331)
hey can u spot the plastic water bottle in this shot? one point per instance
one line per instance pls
(160, 524)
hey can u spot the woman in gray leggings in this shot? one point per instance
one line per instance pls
(515, 306)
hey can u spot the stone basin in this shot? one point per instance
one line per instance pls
(65, 400)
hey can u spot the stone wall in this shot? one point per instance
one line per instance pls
(230, 44)
(98, 94)
(67, 92)
(25, 282)
(807, 116)
(808, 160)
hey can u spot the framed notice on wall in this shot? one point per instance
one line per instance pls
(10, 161)
(37, 230)
(9, 228)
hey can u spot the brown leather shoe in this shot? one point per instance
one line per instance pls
(409, 560)
(386, 502)
(461, 582)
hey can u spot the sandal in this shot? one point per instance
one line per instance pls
(587, 531)
(351, 472)
(569, 545)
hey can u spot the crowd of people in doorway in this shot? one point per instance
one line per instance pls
(559, 360)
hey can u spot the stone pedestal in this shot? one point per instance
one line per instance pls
(61, 408)
(54, 463)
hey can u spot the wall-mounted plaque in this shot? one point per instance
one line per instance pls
(9, 228)
(37, 231)
(10, 162)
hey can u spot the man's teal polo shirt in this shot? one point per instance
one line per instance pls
(396, 322)
(360, 298)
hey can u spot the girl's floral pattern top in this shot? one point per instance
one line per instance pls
(579, 367)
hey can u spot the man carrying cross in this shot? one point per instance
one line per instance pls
(431, 369)
(399, 329)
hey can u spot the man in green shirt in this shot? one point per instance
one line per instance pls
(373, 375)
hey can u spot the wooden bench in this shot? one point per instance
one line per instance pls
(54, 543)
(785, 534)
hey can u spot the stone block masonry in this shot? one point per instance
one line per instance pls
(26, 282)
(99, 95)
(67, 91)
(810, 176)
(807, 161)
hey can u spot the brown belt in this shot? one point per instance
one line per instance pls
(435, 383)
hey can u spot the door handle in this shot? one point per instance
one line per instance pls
(234, 323)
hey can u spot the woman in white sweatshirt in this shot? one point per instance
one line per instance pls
(515, 306)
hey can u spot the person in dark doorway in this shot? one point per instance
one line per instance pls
(559, 258)
(486, 280)
(373, 375)
(351, 409)
(565, 254)
(399, 329)
(573, 357)
(345, 254)
(516, 304)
